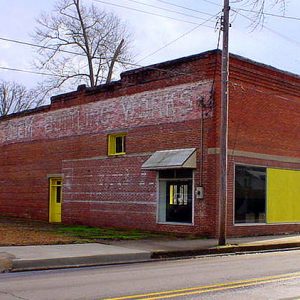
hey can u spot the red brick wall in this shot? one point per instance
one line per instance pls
(114, 191)
(109, 192)
(264, 121)
(66, 141)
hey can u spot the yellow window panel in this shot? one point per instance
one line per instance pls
(116, 144)
(171, 194)
(283, 196)
(111, 145)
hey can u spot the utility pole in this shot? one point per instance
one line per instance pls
(224, 127)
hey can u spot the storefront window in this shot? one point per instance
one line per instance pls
(250, 194)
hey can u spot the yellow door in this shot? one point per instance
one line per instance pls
(55, 200)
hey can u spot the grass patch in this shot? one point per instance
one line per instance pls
(95, 233)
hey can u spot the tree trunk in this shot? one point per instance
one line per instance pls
(113, 60)
(86, 43)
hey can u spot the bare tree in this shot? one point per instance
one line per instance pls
(87, 43)
(15, 97)
(258, 9)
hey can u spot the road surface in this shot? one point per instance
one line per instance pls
(273, 275)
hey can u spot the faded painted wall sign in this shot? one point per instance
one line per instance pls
(173, 104)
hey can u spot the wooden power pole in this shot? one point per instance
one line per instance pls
(224, 127)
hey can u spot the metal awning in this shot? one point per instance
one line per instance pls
(171, 159)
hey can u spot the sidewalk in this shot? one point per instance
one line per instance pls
(24, 258)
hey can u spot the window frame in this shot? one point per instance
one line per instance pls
(111, 144)
(158, 180)
(234, 195)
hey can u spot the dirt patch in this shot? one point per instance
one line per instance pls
(15, 232)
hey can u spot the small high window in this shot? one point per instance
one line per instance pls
(116, 144)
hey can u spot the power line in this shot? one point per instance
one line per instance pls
(268, 14)
(49, 48)
(254, 11)
(66, 76)
(31, 72)
(213, 3)
(184, 7)
(127, 63)
(38, 46)
(168, 10)
(158, 69)
(40, 73)
(178, 38)
(46, 48)
(150, 13)
(271, 30)
(48, 74)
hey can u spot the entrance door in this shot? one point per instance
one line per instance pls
(179, 201)
(55, 199)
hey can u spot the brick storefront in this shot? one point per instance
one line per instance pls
(172, 105)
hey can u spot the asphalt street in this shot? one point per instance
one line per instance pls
(274, 275)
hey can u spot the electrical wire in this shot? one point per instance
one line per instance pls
(168, 10)
(232, 83)
(127, 63)
(271, 30)
(178, 38)
(31, 72)
(252, 11)
(184, 7)
(80, 54)
(150, 13)
(47, 74)
(50, 48)
(132, 64)
(211, 2)
(39, 46)
(66, 76)
(268, 14)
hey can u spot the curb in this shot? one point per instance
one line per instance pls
(225, 250)
(8, 263)
(76, 262)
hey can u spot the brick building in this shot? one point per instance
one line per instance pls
(143, 152)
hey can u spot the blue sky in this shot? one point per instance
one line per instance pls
(278, 44)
